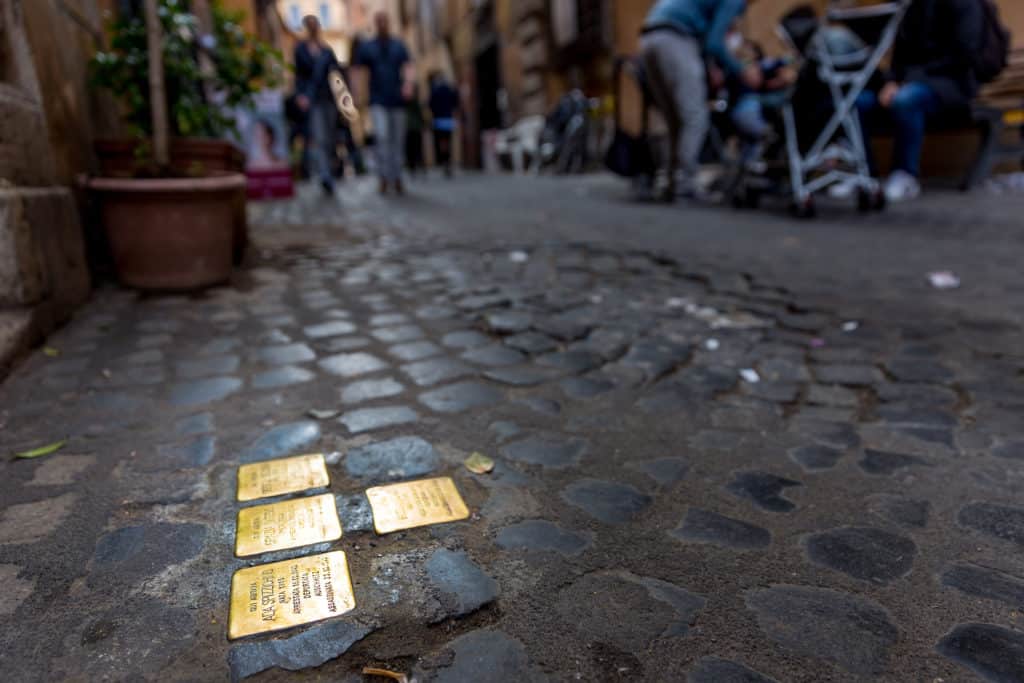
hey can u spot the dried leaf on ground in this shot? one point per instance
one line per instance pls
(41, 451)
(393, 675)
(478, 463)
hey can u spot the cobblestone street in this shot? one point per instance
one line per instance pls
(729, 447)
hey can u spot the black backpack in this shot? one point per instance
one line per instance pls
(993, 56)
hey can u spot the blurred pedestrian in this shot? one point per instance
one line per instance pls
(387, 60)
(677, 34)
(444, 104)
(314, 60)
(932, 72)
(415, 123)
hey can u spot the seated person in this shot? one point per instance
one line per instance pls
(932, 72)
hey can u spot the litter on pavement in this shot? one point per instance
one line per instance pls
(750, 376)
(943, 279)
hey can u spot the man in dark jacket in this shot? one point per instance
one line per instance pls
(932, 73)
(314, 60)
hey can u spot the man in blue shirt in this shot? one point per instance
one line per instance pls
(677, 35)
(387, 60)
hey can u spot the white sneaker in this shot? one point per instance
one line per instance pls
(901, 186)
(844, 189)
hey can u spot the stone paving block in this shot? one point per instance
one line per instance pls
(204, 367)
(715, 670)
(644, 609)
(285, 355)
(352, 364)
(371, 389)
(547, 450)
(853, 632)
(334, 328)
(764, 490)
(397, 335)
(605, 501)
(993, 652)
(370, 419)
(463, 587)
(864, 553)
(284, 376)
(202, 391)
(406, 457)
(704, 526)
(426, 373)
(1004, 522)
(540, 535)
(460, 397)
(307, 650)
(413, 351)
(487, 656)
(283, 440)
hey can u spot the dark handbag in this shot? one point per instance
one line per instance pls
(629, 155)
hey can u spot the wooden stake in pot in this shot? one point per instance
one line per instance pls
(157, 93)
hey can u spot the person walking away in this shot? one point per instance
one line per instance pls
(387, 60)
(444, 104)
(415, 122)
(932, 74)
(676, 36)
(314, 60)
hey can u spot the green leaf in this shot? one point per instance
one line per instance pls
(42, 450)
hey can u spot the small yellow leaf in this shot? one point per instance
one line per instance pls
(478, 463)
(51, 352)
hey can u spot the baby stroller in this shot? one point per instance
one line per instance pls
(821, 142)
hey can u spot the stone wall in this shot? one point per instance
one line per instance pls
(45, 133)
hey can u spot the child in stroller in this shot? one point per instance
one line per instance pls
(744, 105)
(816, 117)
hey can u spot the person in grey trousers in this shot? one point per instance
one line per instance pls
(677, 36)
(387, 60)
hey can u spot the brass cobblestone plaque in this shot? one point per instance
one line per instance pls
(279, 595)
(415, 503)
(288, 524)
(278, 477)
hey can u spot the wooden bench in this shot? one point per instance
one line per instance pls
(998, 115)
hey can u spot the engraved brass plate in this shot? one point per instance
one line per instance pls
(271, 597)
(278, 477)
(288, 524)
(415, 503)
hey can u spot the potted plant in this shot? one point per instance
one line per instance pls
(172, 197)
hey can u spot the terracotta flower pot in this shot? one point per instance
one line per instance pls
(170, 233)
(189, 157)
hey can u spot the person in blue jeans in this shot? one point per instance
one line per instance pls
(387, 60)
(932, 74)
